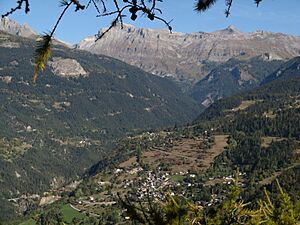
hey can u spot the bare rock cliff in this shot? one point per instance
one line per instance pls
(181, 55)
(67, 67)
(14, 28)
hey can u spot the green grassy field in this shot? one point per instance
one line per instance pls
(29, 222)
(177, 178)
(69, 213)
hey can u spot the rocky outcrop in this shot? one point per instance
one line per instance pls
(182, 55)
(67, 67)
(6, 79)
(14, 28)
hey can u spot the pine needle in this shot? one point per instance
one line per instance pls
(203, 5)
(43, 53)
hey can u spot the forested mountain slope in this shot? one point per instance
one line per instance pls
(256, 133)
(54, 130)
(232, 77)
(288, 70)
(265, 130)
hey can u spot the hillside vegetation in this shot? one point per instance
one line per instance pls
(82, 103)
(255, 133)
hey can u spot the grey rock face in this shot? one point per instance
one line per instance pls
(181, 55)
(67, 67)
(14, 28)
(6, 79)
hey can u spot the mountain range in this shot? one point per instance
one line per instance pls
(232, 77)
(188, 57)
(207, 66)
(14, 28)
(70, 123)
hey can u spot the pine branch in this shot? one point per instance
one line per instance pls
(134, 7)
(228, 4)
(97, 8)
(43, 51)
(204, 5)
(145, 7)
(257, 2)
(78, 5)
(18, 7)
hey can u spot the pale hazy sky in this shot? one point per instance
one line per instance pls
(271, 15)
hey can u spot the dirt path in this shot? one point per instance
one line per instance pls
(73, 207)
(269, 179)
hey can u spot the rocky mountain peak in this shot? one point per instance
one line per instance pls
(232, 29)
(181, 55)
(130, 31)
(12, 27)
(126, 26)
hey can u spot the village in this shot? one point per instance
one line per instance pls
(176, 169)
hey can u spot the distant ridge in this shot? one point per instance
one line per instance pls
(15, 28)
(185, 56)
(288, 70)
(232, 77)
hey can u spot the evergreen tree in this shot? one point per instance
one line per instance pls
(233, 211)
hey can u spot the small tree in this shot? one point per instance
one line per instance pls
(139, 155)
(233, 211)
